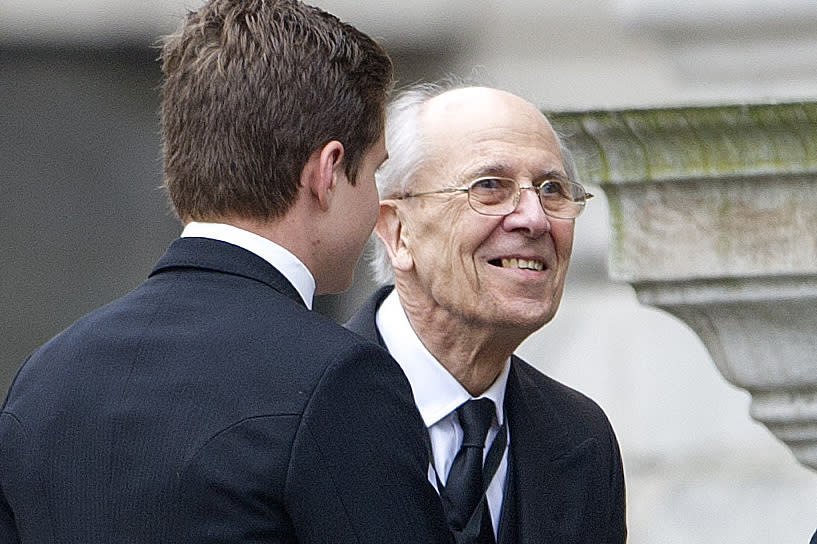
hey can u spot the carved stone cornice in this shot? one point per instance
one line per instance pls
(713, 214)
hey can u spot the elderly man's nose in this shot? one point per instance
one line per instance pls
(528, 215)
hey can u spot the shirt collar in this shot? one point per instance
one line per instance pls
(436, 392)
(281, 258)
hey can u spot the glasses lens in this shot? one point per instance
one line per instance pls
(562, 199)
(492, 196)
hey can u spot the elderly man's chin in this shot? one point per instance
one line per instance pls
(524, 316)
(526, 306)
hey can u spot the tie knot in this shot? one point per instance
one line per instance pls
(475, 419)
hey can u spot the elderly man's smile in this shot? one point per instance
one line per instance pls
(524, 264)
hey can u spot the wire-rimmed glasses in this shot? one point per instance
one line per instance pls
(498, 196)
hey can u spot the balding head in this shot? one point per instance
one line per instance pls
(417, 121)
(478, 229)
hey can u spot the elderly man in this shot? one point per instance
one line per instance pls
(476, 223)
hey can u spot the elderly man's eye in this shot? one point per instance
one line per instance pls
(551, 187)
(489, 184)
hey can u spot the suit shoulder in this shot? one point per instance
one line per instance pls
(563, 398)
(338, 339)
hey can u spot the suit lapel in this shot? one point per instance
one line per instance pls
(207, 254)
(550, 470)
(364, 321)
(508, 526)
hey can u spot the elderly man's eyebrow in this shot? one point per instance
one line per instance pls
(501, 169)
(551, 173)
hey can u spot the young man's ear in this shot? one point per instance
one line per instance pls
(322, 172)
(392, 231)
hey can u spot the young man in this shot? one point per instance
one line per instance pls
(210, 404)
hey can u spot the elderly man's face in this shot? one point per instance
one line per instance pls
(503, 272)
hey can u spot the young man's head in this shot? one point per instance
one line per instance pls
(251, 89)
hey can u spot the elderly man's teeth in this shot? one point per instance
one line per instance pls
(522, 263)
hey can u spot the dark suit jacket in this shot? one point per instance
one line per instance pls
(567, 481)
(209, 405)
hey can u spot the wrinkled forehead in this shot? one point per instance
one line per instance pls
(477, 128)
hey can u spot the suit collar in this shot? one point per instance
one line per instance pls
(207, 254)
(287, 263)
(363, 322)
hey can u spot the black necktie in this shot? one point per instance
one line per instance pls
(464, 489)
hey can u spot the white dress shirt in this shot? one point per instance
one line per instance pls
(282, 259)
(438, 394)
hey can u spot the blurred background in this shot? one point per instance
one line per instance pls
(83, 218)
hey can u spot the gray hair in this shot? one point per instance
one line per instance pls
(405, 145)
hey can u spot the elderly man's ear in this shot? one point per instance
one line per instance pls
(393, 233)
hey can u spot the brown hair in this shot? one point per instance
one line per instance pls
(251, 88)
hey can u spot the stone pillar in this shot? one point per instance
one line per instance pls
(714, 220)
